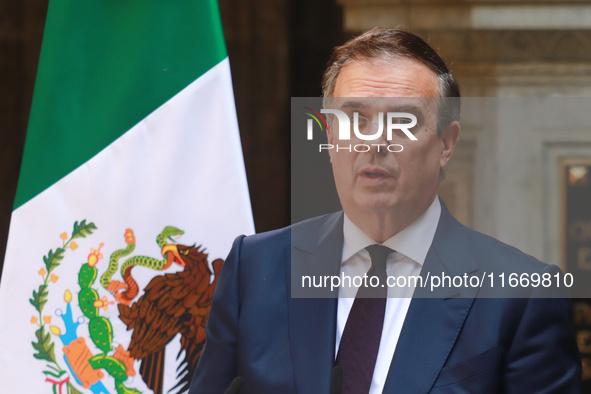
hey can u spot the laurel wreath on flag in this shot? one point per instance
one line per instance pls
(100, 329)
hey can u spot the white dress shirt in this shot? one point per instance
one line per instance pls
(411, 246)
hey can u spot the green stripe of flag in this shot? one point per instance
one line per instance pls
(104, 66)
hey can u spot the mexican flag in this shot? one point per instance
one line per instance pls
(132, 189)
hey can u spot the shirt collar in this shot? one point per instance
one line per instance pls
(414, 241)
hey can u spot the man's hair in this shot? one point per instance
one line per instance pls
(387, 44)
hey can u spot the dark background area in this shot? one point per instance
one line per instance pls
(277, 49)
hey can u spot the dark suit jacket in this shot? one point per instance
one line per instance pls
(453, 344)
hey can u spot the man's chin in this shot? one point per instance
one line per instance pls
(378, 205)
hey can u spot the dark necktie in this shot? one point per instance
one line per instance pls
(360, 341)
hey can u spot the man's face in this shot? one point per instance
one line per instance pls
(382, 182)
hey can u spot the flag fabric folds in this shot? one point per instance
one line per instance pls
(132, 188)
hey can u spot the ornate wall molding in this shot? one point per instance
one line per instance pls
(465, 14)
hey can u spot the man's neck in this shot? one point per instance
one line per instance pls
(381, 226)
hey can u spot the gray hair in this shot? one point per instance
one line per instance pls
(387, 44)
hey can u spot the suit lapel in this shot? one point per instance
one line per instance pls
(316, 250)
(432, 324)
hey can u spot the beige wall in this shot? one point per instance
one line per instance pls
(503, 49)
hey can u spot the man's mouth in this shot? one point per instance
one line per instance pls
(374, 174)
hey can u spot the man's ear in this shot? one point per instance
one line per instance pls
(449, 138)
(330, 137)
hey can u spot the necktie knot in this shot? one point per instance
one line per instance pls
(379, 255)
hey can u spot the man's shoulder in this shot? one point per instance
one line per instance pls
(309, 228)
(491, 252)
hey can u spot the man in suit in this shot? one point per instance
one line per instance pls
(392, 224)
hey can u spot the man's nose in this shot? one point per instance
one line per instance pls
(379, 145)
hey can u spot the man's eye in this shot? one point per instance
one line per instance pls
(362, 121)
(401, 120)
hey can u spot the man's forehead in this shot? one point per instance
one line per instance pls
(385, 104)
(386, 77)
